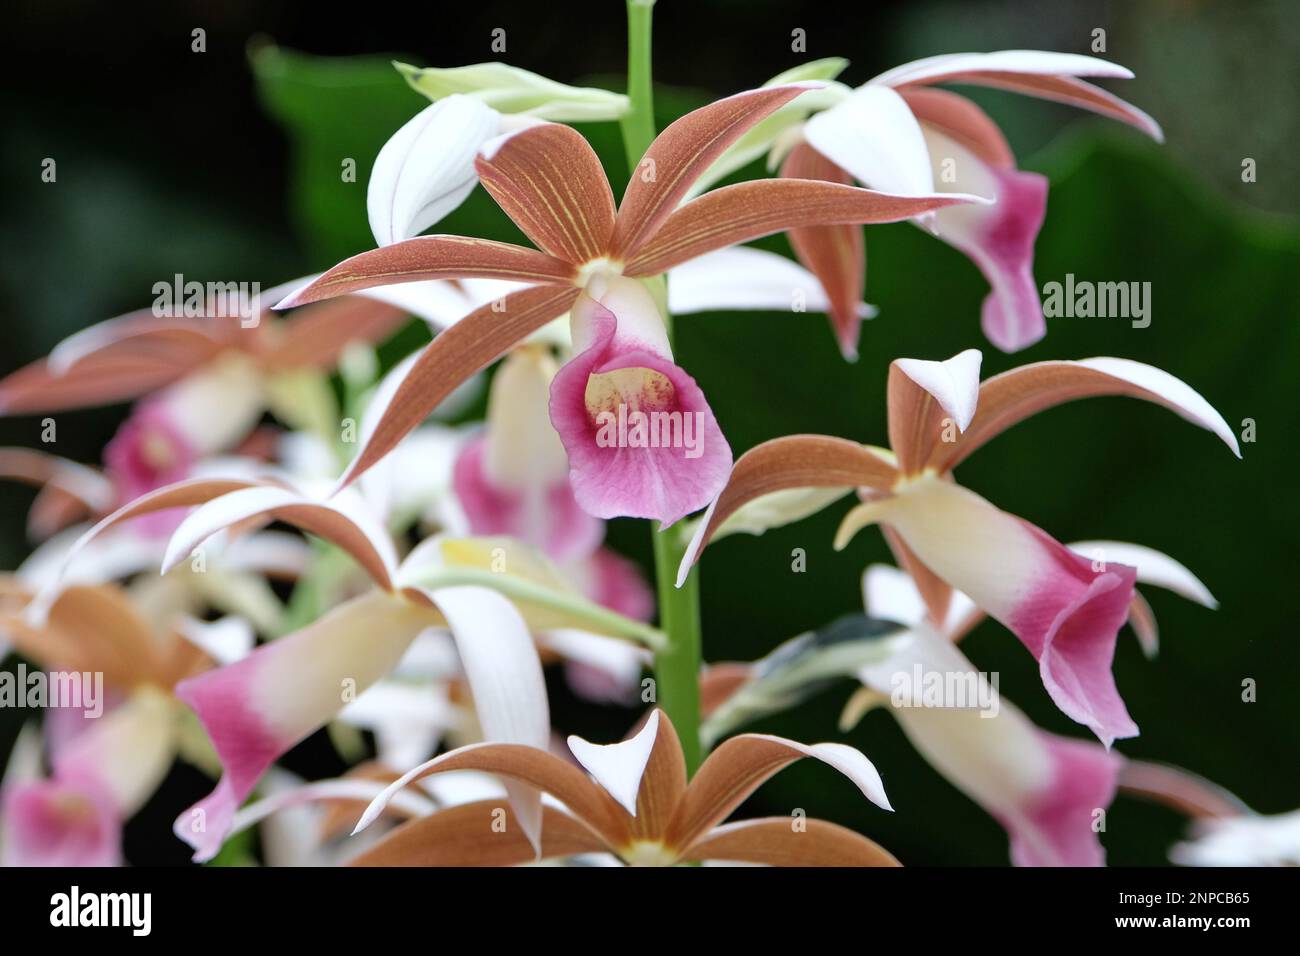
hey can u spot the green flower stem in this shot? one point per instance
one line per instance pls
(638, 124)
(677, 665)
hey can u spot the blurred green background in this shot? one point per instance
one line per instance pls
(172, 161)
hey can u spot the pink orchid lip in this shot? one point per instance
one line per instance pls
(547, 518)
(654, 453)
(60, 822)
(150, 450)
(1056, 826)
(243, 741)
(1069, 622)
(1003, 248)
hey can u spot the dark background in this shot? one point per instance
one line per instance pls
(172, 161)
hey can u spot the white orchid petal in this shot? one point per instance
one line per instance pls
(1037, 62)
(1153, 567)
(505, 677)
(619, 767)
(427, 168)
(874, 136)
(742, 277)
(954, 383)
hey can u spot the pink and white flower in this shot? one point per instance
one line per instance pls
(1065, 609)
(901, 134)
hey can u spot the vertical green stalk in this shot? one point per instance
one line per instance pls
(677, 667)
(638, 124)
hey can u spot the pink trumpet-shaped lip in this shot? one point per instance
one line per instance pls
(245, 745)
(547, 518)
(1002, 245)
(61, 822)
(1058, 824)
(616, 471)
(1069, 622)
(149, 451)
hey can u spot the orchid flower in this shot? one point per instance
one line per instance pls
(1045, 790)
(100, 777)
(550, 182)
(259, 707)
(636, 804)
(104, 767)
(205, 381)
(1063, 607)
(514, 480)
(900, 134)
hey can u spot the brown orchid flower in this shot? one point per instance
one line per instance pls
(636, 804)
(550, 182)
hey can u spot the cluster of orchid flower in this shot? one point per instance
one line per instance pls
(432, 572)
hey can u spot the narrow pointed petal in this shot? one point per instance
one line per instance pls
(339, 796)
(194, 491)
(1153, 567)
(925, 398)
(1045, 790)
(427, 168)
(142, 335)
(316, 337)
(641, 438)
(774, 841)
(1071, 92)
(257, 709)
(475, 834)
(536, 768)
(940, 69)
(795, 461)
(550, 182)
(836, 254)
(682, 153)
(619, 767)
(343, 521)
(745, 278)
(874, 135)
(1143, 621)
(432, 257)
(741, 764)
(1021, 392)
(962, 121)
(1188, 793)
(43, 470)
(505, 678)
(454, 355)
(751, 210)
(1064, 611)
(99, 380)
